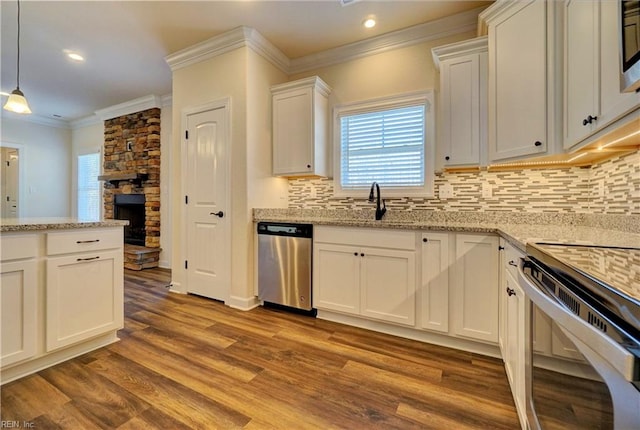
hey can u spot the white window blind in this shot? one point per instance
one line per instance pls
(89, 187)
(386, 146)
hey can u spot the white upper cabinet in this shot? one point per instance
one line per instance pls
(524, 98)
(463, 99)
(300, 128)
(592, 98)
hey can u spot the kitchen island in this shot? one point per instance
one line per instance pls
(61, 290)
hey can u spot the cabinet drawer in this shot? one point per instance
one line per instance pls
(374, 237)
(14, 247)
(83, 240)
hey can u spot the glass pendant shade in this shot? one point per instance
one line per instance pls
(17, 103)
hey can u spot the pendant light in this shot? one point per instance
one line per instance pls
(17, 102)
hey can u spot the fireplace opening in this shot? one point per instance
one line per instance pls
(131, 207)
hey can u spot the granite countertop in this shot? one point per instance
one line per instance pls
(54, 223)
(518, 229)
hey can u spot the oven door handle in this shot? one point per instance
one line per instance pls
(621, 359)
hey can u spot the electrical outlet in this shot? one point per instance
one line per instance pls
(445, 191)
(487, 190)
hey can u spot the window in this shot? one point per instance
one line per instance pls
(388, 141)
(89, 189)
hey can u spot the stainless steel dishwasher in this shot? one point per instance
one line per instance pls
(284, 264)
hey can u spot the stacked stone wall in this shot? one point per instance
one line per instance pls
(132, 146)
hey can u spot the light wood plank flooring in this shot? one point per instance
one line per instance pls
(186, 362)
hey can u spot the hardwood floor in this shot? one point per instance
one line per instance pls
(185, 362)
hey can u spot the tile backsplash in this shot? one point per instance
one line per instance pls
(610, 187)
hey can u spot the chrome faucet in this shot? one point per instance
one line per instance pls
(379, 210)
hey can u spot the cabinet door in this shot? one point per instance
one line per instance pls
(19, 305)
(613, 102)
(336, 278)
(460, 96)
(518, 82)
(293, 132)
(476, 284)
(582, 78)
(514, 360)
(434, 289)
(84, 297)
(388, 285)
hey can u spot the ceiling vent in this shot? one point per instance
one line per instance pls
(344, 3)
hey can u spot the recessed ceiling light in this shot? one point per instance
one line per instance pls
(369, 22)
(74, 56)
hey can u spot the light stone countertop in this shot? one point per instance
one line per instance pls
(54, 223)
(518, 229)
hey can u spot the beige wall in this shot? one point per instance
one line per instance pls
(263, 190)
(389, 73)
(46, 162)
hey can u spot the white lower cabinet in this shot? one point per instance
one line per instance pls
(354, 277)
(61, 295)
(514, 351)
(336, 272)
(388, 284)
(373, 273)
(434, 289)
(18, 300)
(84, 296)
(475, 284)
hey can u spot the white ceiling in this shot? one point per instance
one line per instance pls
(125, 42)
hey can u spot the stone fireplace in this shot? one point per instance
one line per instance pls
(131, 175)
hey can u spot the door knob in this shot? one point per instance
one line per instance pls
(219, 214)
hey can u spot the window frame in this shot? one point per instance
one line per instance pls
(425, 98)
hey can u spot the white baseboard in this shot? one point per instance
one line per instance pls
(413, 333)
(46, 360)
(176, 287)
(243, 303)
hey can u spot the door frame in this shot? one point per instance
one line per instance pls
(225, 104)
(22, 190)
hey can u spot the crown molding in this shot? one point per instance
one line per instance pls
(432, 30)
(85, 121)
(132, 106)
(37, 119)
(458, 49)
(237, 38)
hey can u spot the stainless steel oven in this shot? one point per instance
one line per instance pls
(589, 295)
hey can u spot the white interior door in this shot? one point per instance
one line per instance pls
(208, 244)
(10, 160)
